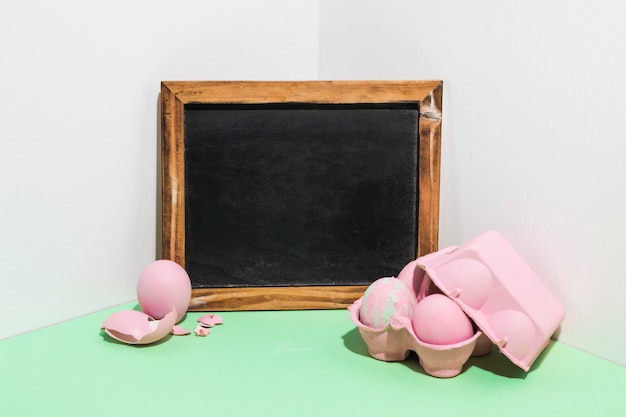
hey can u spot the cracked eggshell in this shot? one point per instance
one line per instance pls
(137, 328)
(164, 285)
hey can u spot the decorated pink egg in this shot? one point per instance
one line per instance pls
(440, 321)
(384, 299)
(162, 286)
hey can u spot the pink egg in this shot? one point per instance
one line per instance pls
(384, 299)
(164, 285)
(440, 321)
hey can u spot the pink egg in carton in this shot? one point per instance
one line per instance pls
(507, 303)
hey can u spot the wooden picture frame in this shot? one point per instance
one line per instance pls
(177, 96)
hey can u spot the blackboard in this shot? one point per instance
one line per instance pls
(294, 195)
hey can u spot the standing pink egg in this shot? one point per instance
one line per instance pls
(164, 285)
(440, 321)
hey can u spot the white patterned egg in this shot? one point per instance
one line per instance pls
(384, 299)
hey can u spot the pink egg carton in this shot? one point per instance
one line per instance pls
(395, 342)
(508, 303)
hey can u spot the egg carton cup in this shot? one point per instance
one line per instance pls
(395, 342)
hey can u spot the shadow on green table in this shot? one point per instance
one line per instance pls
(494, 362)
(354, 342)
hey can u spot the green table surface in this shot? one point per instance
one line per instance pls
(283, 363)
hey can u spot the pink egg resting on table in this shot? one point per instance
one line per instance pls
(162, 286)
(384, 299)
(440, 321)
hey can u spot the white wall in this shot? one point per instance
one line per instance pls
(534, 133)
(79, 85)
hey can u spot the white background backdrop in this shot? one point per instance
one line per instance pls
(533, 141)
(79, 89)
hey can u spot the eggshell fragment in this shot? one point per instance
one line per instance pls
(180, 331)
(137, 328)
(210, 320)
(202, 331)
(164, 285)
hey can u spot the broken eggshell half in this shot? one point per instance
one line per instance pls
(137, 328)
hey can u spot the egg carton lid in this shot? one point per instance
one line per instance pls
(499, 291)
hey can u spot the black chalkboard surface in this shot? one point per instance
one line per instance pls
(287, 195)
(290, 196)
